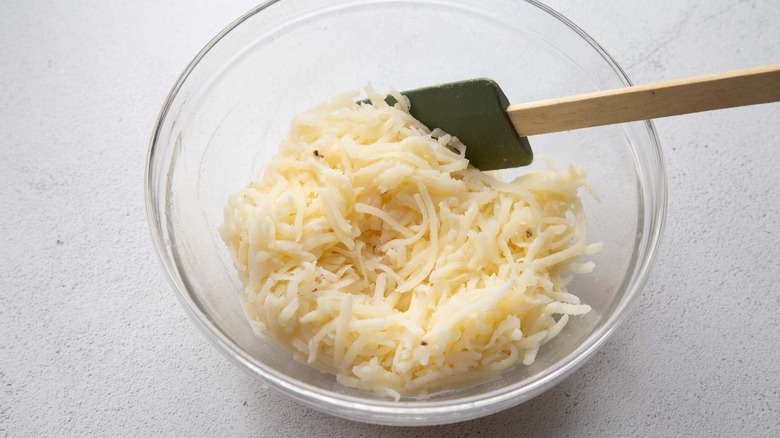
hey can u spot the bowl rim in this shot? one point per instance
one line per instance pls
(407, 412)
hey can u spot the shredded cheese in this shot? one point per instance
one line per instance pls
(371, 250)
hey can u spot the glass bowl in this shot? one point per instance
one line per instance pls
(231, 107)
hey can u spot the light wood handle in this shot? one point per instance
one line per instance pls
(661, 99)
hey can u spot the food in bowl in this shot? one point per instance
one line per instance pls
(371, 250)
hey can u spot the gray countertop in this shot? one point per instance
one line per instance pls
(93, 341)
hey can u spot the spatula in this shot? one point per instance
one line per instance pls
(494, 132)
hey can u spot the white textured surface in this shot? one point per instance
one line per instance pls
(93, 342)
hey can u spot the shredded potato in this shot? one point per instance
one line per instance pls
(371, 250)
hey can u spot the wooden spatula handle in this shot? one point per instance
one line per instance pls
(661, 99)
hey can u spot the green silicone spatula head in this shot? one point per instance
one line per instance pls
(475, 112)
(494, 132)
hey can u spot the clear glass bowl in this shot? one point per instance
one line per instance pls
(231, 107)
